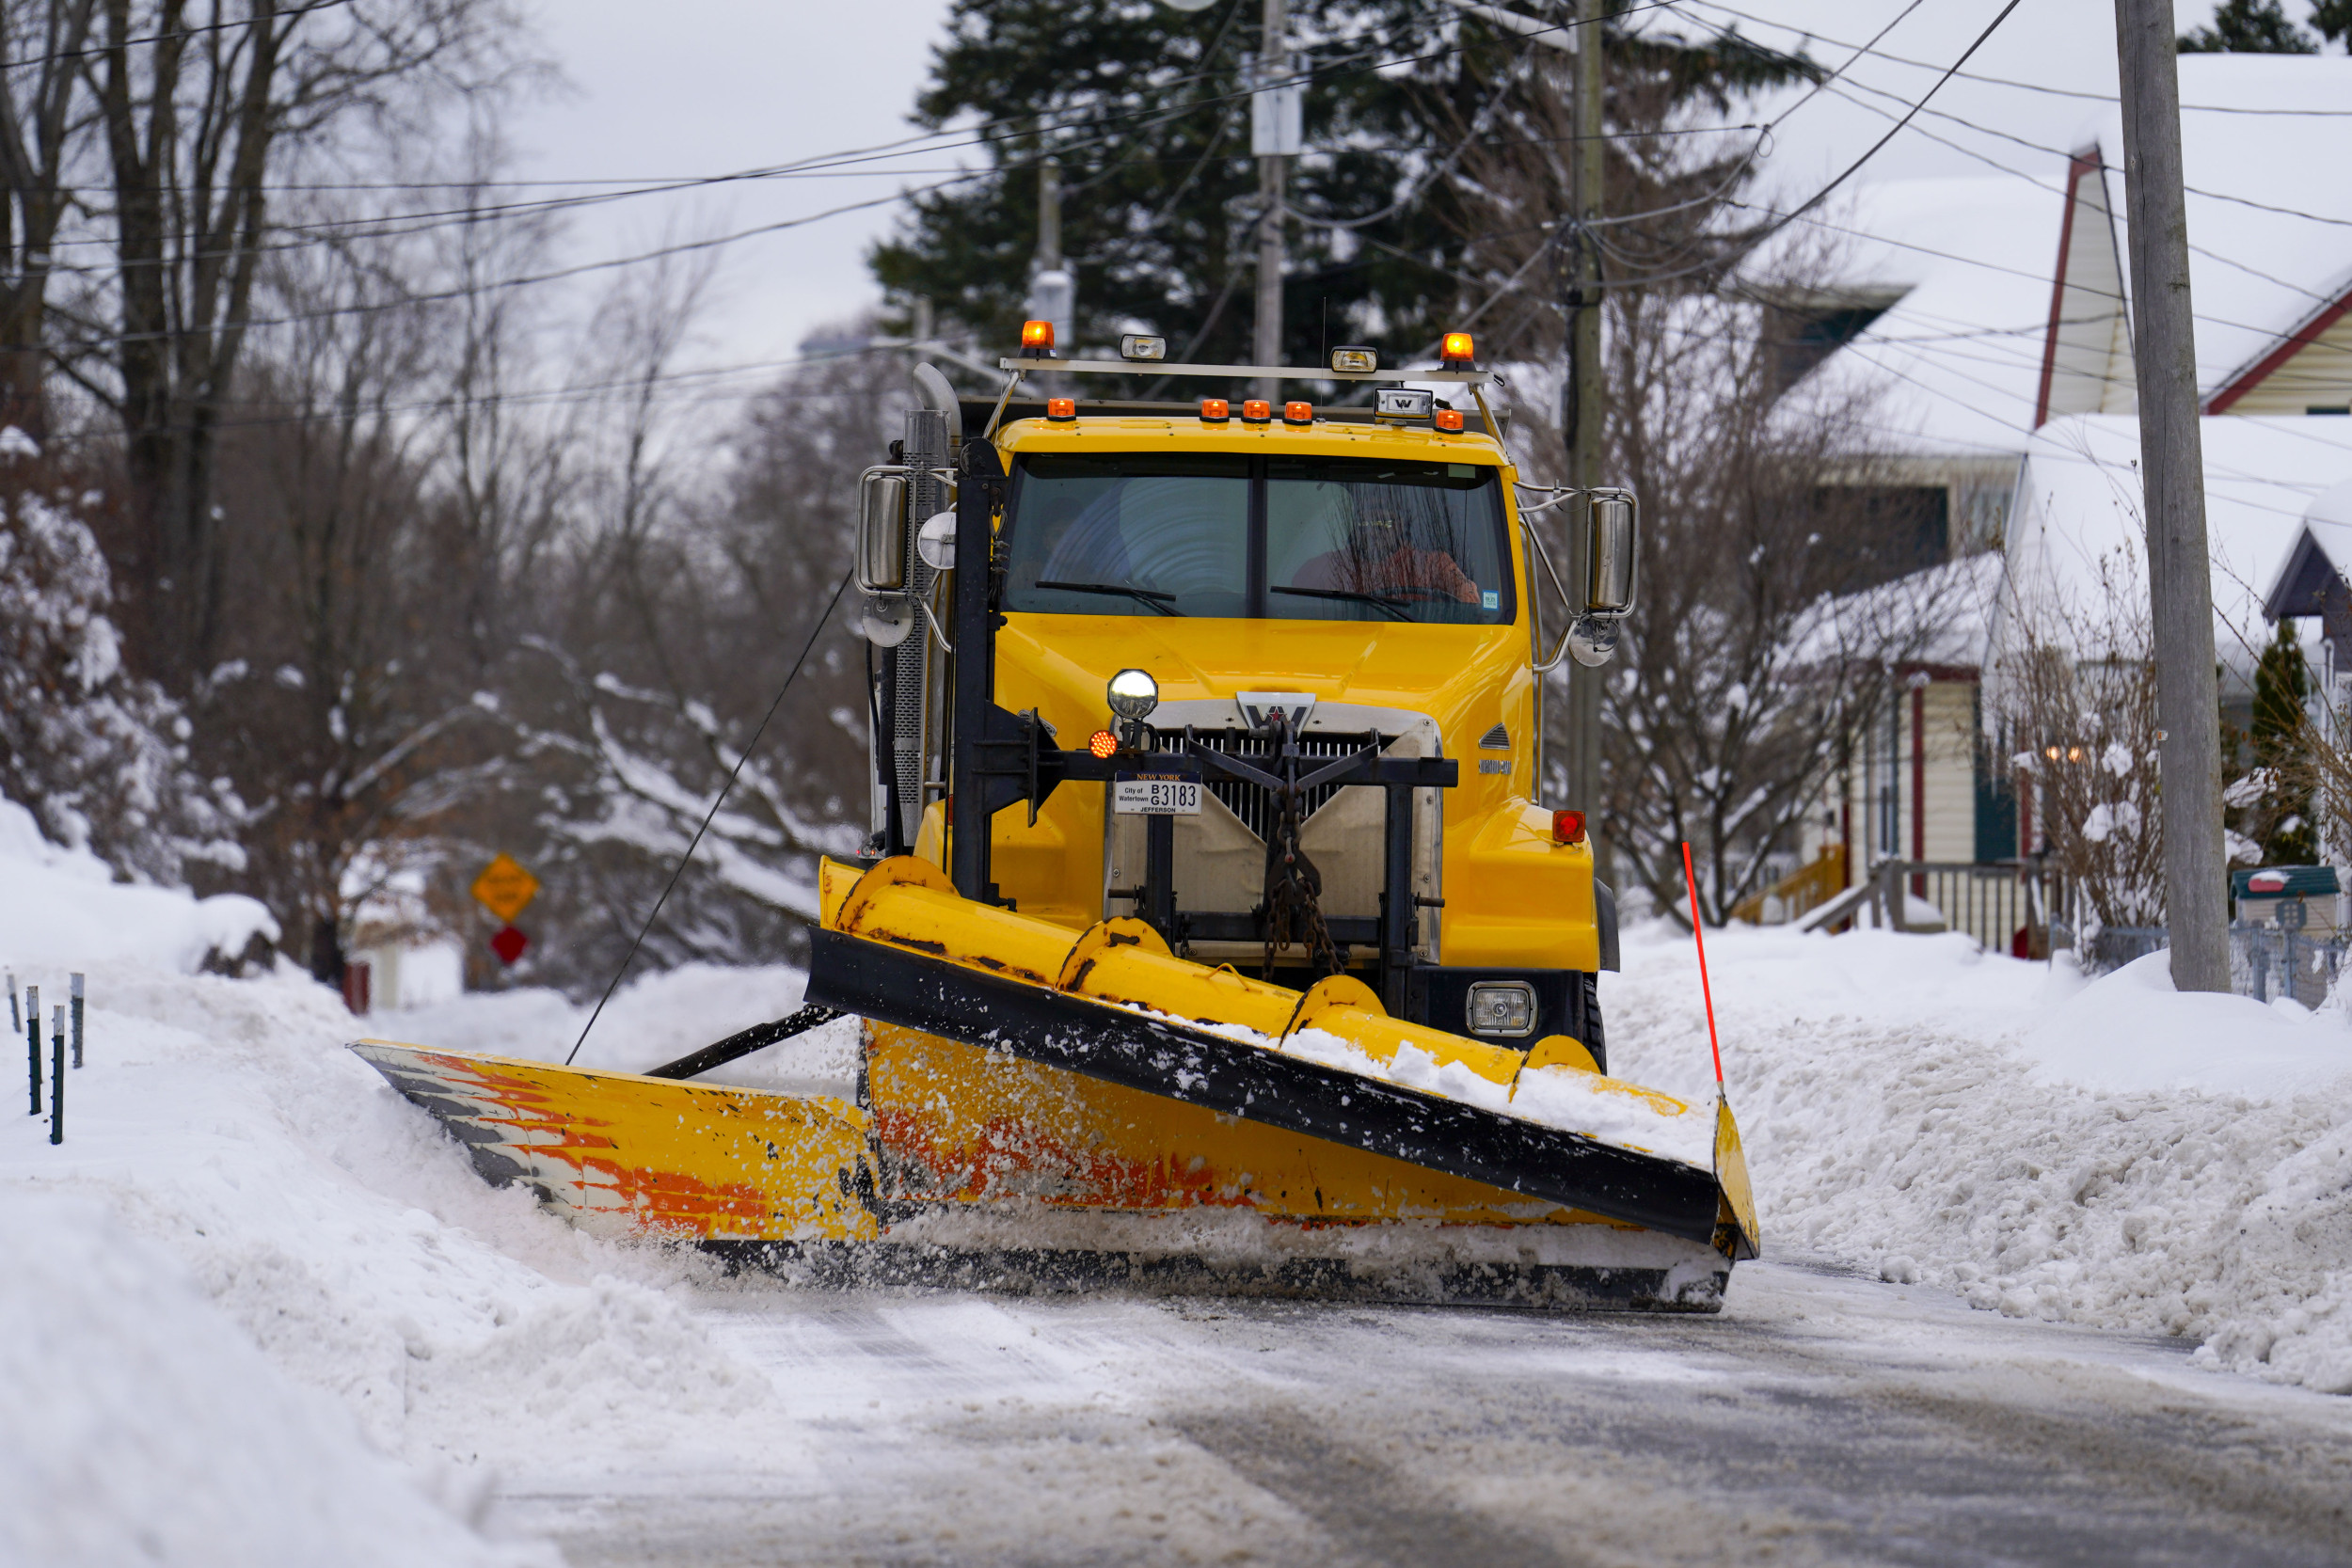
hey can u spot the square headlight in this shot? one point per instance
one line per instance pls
(1136, 346)
(1354, 360)
(1502, 1007)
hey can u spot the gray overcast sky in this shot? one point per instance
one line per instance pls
(703, 87)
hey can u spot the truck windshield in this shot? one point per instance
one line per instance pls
(1286, 538)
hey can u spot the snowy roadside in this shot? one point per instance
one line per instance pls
(2104, 1152)
(232, 1179)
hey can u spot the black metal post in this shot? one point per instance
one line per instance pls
(32, 1044)
(57, 1079)
(1159, 874)
(974, 669)
(1396, 900)
(16, 1024)
(77, 1021)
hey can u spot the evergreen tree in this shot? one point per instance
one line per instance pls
(1146, 110)
(2261, 27)
(2281, 686)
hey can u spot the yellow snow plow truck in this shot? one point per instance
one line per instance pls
(1211, 935)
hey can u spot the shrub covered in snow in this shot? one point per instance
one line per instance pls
(100, 757)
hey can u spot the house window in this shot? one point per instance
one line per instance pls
(1803, 339)
(1878, 532)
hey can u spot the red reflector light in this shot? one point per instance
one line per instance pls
(1567, 827)
(1061, 408)
(1216, 410)
(1457, 349)
(1257, 411)
(1449, 419)
(1037, 337)
(1299, 413)
(1101, 743)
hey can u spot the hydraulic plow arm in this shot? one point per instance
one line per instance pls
(900, 945)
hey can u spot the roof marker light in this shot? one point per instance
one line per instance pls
(1216, 410)
(1449, 420)
(1299, 413)
(1257, 411)
(1061, 408)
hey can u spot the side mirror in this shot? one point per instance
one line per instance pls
(882, 533)
(1611, 544)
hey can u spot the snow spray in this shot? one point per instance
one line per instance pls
(32, 1044)
(78, 1020)
(56, 1074)
(1692, 881)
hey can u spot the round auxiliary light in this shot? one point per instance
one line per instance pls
(1132, 695)
(1102, 745)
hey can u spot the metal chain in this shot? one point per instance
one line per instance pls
(1294, 885)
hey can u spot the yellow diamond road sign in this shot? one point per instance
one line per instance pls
(504, 888)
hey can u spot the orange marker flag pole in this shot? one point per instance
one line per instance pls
(1692, 881)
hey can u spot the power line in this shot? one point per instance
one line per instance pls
(2004, 81)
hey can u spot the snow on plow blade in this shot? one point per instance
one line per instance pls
(900, 945)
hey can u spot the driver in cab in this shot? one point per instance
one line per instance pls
(1379, 561)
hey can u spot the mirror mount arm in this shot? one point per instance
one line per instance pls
(1544, 555)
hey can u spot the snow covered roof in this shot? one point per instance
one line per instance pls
(1956, 359)
(2320, 557)
(2076, 532)
(1959, 357)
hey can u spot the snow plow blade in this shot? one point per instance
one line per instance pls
(900, 945)
(627, 1154)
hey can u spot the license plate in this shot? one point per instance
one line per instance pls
(1147, 795)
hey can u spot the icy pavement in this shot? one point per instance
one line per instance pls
(1824, 1418)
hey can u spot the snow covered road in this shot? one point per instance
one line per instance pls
(1824, 1418)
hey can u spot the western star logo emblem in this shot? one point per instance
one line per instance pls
(1257, 707)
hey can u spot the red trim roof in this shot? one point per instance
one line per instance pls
(2296, 341)
(2080, 164)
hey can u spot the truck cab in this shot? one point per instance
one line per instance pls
(1280, 588)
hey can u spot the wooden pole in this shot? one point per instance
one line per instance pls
(2172, 469)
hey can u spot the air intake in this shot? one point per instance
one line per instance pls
(1496, 739)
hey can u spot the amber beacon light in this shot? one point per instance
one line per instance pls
(1457, 349)
(1037, 338)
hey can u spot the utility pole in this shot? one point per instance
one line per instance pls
(2173, 470)
(1052, 292)
(1584, 390)
(1274, 137)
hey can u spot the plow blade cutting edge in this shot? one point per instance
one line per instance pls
(901, 946)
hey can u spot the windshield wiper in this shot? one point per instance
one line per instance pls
(1152, 597)
(1378, 601)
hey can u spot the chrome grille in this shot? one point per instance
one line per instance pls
(1254, 806)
